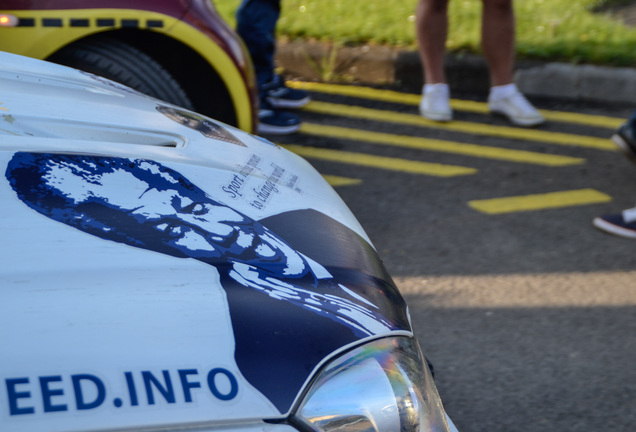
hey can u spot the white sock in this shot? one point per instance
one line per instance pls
(502, 91)
(432, 87)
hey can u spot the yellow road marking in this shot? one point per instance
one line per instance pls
(539, 201)
(464, 127)
(336, 181)
(440, 146)
(460, 105)
(387, 163)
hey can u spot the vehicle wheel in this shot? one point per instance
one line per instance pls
(125, 64)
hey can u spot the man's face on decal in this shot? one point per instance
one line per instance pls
(185, 218)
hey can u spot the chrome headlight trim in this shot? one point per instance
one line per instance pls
(384, 385)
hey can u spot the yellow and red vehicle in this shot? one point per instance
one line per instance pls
(180, 51)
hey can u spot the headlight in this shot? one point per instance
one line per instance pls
(382, 386)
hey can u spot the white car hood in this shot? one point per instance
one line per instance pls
(107, 328)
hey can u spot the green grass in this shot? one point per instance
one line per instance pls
(555, 30)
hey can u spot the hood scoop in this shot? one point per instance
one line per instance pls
(85, 131)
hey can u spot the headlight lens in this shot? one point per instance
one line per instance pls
(382, 386)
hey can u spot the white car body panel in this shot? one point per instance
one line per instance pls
(99, 334)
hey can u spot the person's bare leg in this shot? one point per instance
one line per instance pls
(498, 40)
(432, 28)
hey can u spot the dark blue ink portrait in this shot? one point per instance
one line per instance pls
(268, 282)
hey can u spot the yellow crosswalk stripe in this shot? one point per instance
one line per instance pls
(540, 201)
(386, 163)
(336, 181)
(464, 127)
(490, 206)
(440, 146)
(460, 105)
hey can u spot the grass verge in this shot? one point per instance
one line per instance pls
(577, 31)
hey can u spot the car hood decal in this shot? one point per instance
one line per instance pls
(161, 268)
(288, 309)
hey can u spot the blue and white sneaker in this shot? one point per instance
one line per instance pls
(280, 96)
(623, 224)
(276, 122)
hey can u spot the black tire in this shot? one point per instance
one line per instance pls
(125, 64)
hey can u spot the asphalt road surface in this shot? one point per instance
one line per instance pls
(526, 310)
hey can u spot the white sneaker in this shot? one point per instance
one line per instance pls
(435, 103)
(516, 108)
